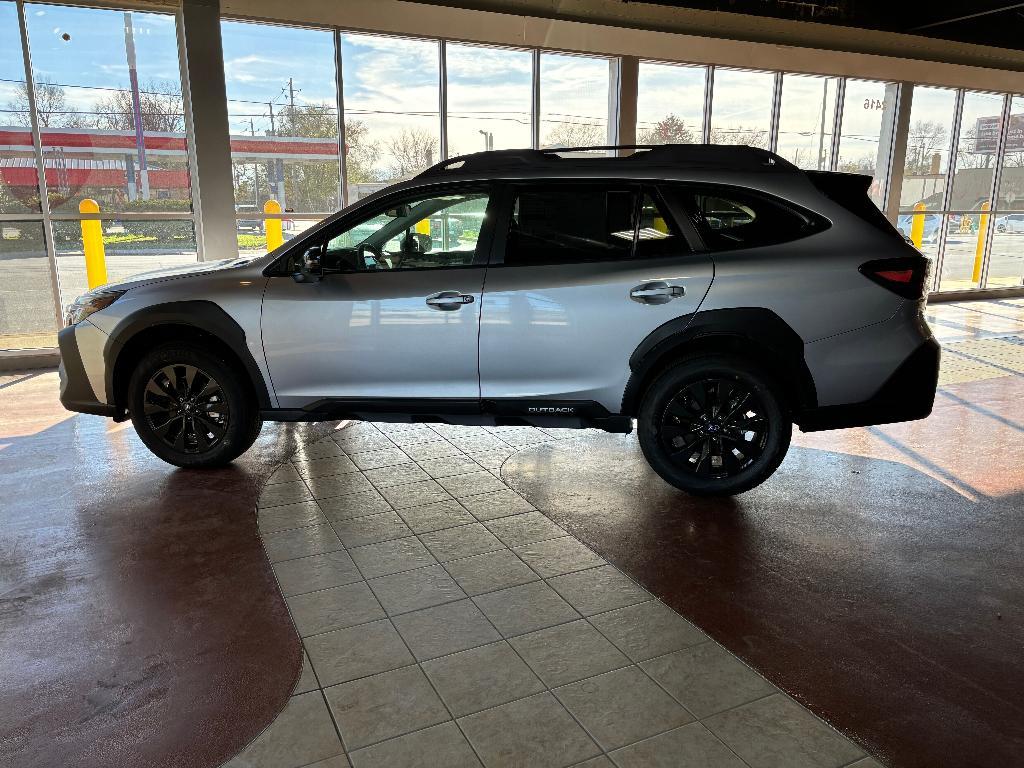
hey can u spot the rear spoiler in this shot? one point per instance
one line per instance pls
(850, 190)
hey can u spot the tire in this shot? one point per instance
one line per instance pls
(679, 438)
(219, 420)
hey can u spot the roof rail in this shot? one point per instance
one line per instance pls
(721, 156)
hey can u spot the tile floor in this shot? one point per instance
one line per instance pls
(448, 623)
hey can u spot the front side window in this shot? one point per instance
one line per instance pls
(729, 219)
(440, 230)
(571, 223)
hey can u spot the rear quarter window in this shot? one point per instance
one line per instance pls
(728, 219)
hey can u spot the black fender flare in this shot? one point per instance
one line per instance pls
(202, 315)
(762, 327)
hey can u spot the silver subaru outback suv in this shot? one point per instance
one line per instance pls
(712, 296)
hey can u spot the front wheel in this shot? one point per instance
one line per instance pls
(191, 408)
(713, 426)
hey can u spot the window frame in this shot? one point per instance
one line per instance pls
(677, 192)
(638, 187)
(322, 235)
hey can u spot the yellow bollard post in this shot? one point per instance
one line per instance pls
(275, 233)
(979, 251)
(917, 225)
(92, 242)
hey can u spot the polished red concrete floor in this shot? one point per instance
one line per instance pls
(140, 622)
(877, 577)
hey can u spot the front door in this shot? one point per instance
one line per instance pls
(587, 271)
(396, 314)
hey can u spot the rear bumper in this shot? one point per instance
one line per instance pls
(908, 394)
(76, 392)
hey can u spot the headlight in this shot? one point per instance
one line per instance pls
(90, 302)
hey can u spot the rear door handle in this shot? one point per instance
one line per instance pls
(656, 292)
(447, 301)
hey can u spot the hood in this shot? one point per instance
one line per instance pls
(170, 273)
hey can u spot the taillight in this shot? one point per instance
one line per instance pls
(905, 275)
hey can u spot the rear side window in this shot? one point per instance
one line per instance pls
(728, 219)
(571, 223)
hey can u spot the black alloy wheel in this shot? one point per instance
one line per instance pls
(193, 407)
(186, 409)
(714, 425)
(714, 428)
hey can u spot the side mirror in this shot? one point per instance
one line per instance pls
(311, 267)
(424, 242)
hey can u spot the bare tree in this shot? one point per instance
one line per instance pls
(412, 150)
(927, 138)
(668, 130)
(360, 153)
(576, 135)
(160, 108)
(51, 107)
(751, 137)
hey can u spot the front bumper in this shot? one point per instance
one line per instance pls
(76, 390)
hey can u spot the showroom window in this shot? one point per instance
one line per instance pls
(865, 136)
(392, 109)
(807, 113)
(112, 129)
(670, 104)
(573, 101)
(27, 311)
(925, 170)
(490, 97)
(283, 118)
(741, 107)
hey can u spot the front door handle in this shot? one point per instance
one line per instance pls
(447, 301)
(656, 292)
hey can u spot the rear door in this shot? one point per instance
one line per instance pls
(581, 273)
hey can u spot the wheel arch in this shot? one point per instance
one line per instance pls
(752, 333)
(200, 322)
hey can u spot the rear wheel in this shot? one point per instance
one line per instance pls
(713, 426)
(192, 408)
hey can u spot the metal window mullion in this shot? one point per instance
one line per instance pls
(339, 84)
(947, 192)
(37, 148)
(1004, 127)
(837, 123)
(773, 131)
(126, 216)
(709, 93)
(897, 152)
(442, 99)
(28, 216)
(195, 193)
(535, 100)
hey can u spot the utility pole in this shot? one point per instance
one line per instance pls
(291, 95)
(133, 77)
(256, 172)
(275, 168)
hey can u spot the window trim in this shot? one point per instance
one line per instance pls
(676, 192)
